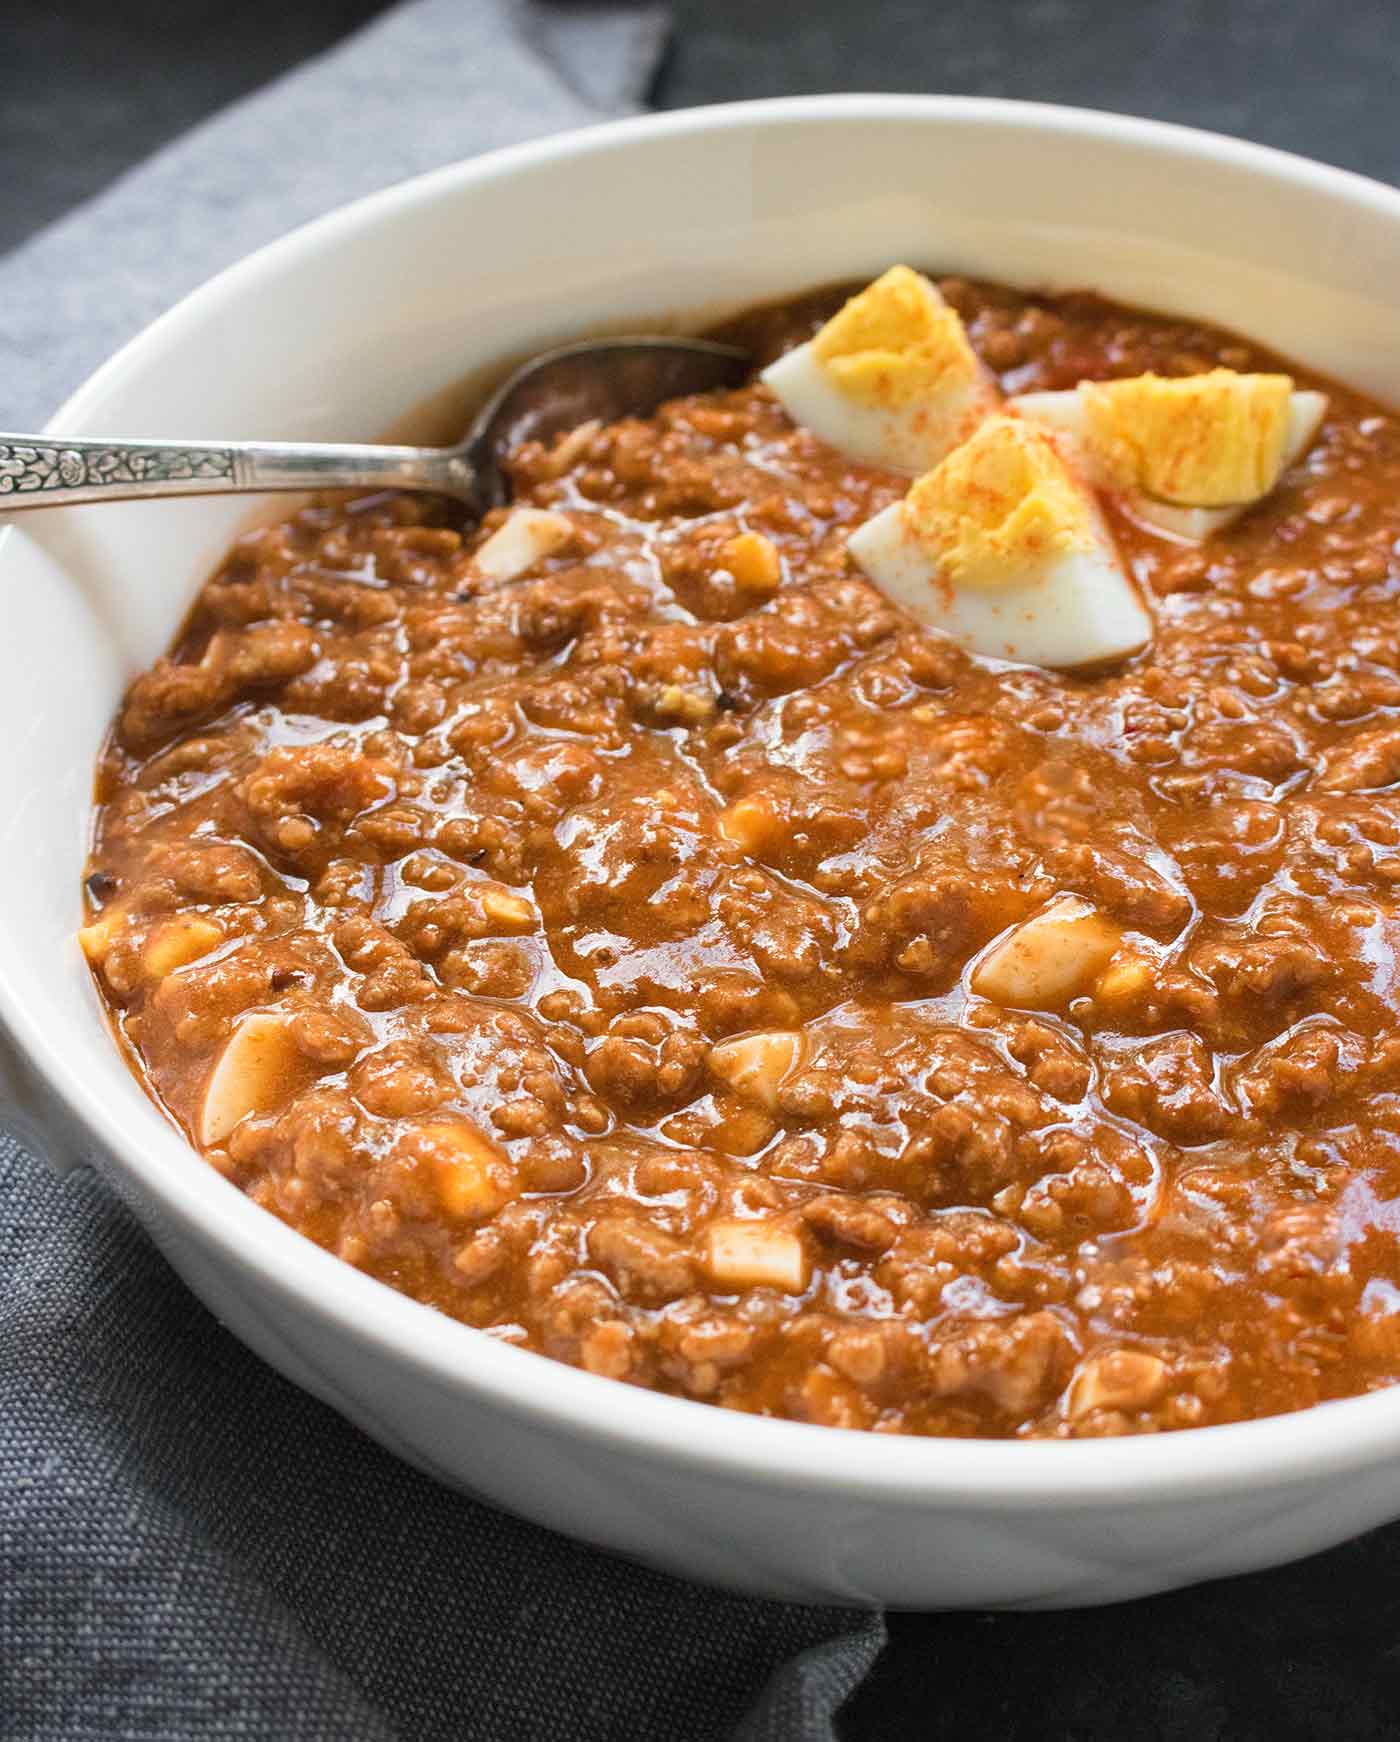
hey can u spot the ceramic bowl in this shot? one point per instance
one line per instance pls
(336, 332)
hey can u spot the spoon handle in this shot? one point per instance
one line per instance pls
(48, 471)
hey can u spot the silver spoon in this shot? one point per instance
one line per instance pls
(604, 379)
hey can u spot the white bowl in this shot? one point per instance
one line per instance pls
(335, 332)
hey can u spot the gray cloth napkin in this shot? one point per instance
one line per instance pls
(425, 85)
(190, 1548)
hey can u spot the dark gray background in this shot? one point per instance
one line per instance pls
(87, 88)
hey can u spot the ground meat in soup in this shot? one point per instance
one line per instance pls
(592, 955)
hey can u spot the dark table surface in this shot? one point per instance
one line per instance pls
(87, 88)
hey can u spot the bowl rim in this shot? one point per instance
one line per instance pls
(1324, 1439)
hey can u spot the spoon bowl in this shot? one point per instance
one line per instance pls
(602, 380)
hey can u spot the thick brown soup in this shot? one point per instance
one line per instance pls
(589, 955)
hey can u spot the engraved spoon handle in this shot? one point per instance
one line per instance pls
(47, 471)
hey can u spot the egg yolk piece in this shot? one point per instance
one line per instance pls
(1204, 441)
(1186, 455)
(897, 342)
(1001, 503)
(891, 379)
(1004, 549)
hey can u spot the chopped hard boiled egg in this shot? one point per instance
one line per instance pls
(1049, 958)
(1190, 454)
(754, 1065)
(1003, 548)
(757, 1254)
(890, 379)
(525, 537)
(260, 1064)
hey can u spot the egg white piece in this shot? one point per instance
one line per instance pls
(527, 536)
(891, 379)
(1064, 411)
(1080, 609)
(1003, 549)
(904, 438)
